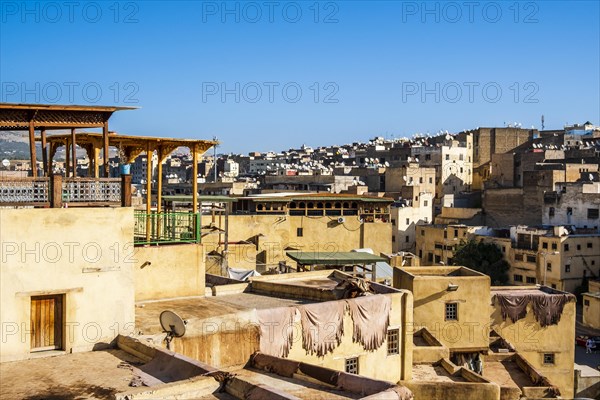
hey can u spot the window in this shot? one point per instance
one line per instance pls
(430, 180)
(393, 221)
(554, 286)
(589, 245)
(548, 358)
(554, 247)
(544, 245)
(451, 311)
(518, 278)
(586, 302)
(551, 212)
(566, 247)
(299, 232)
(445, 234)
(567, 267)
(530, 279)
(447, 156)
(422, 232)
(425, 203)
(504, 249)
(352, 365)
(578, 247)
(569, 211)
(407, 239)
(518, 257)
(393, 342)
(531, 259)
(393, 239)
(407, 221)
(593, 213)
(549, 267)
(456, 233)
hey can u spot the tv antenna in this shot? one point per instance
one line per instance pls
(542, 122)
(172, 325)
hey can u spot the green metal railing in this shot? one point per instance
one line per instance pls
(166, 227)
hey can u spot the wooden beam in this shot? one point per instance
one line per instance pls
(67, 159)
(159, 178)
(74, 152)
(105, 141)
(96, 156)
(194, 179)
(148, 190)
(32, 148)
(47, 167)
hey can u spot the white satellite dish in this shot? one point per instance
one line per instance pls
(172, 325)
(5, 163)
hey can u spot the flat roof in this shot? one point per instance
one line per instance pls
(202, 198)
(94, 374)
(197, 309)
(18, 116)
(317, 196)
(337, 258)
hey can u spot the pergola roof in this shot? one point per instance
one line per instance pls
(132, 146)
(337, 258)
(17, 116)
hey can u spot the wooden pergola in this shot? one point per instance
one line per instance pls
(132, 147)
(44, 117)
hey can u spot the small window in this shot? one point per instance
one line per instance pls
(393, 341)
(551, 212)
(593, 213)
(548, 358)
(504, 249)
(586, 302)
(554, 246)
(422, 232)
(549, 267)
(456, 233)
(567, 267)
(518, 278)
(299, 232)
(393, 239)
(407, 239)
(425, 203)
(530, 279)
(569, 211)
(554, 286)
(445, 234)
(393, 221)
(578, 247)
(518, 257)
(407, 221)
(566, 247)
(531, 259)
(589, 245)
(352, 365)
(451, 311)
(544, 245)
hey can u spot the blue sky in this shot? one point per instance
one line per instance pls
(273, 75)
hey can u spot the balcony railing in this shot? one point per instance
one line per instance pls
(91, 190)
(166, 227)
(25, 192)
(56, 191)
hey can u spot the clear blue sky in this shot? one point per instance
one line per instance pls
(370, 62)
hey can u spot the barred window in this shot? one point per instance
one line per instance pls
(393, 342)
(548, 358)
(352, 365)
(451, 311)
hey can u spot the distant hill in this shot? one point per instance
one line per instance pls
(15, 146)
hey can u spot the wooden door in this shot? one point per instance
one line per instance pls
(46, 322)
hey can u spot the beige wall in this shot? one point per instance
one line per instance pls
(531, 341)
(85, 254)
(591, 306)
(429, 287)
(319, 234)
(174, 271)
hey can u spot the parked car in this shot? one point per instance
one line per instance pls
(581, 340)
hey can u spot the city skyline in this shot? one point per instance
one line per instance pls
(320, 73)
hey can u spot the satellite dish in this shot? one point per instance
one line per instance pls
(173, 325)
(5, 163)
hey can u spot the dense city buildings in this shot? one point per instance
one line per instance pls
(330, 272)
